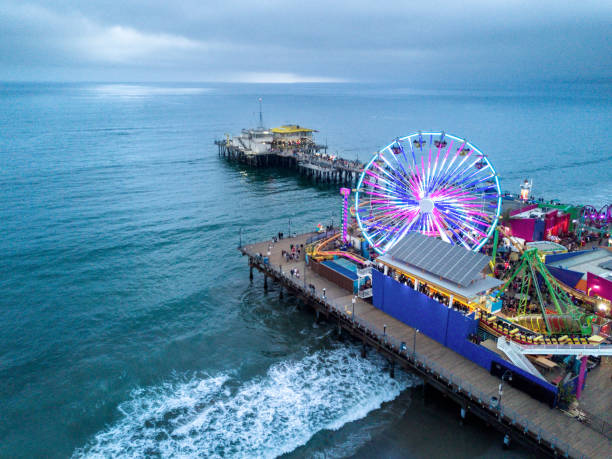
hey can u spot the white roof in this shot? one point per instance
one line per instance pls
(591, 261)
(472, 291)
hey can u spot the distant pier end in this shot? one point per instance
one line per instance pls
(292, 147)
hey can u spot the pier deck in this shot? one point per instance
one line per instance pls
(307, 162)
(525, 419)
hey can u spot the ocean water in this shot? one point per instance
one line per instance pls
(128, 325)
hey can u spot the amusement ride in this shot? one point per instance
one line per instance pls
(434, 183)
(443, 186)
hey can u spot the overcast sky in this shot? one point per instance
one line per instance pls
(409, 42)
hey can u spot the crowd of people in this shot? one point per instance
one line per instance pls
(574, 241)
(425, 290)
(294, 252)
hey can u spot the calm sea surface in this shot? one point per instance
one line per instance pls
(128, 325)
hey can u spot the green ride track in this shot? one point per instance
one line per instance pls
(535, 277)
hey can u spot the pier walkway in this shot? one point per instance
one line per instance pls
(525, 419)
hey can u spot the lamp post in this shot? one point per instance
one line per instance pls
(354, 300)
(416, 330)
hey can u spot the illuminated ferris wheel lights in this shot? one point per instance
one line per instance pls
(429, 191)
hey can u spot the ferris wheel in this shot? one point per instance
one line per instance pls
(431, 182)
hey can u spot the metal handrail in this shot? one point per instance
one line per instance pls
(256, 236)
(567, 349)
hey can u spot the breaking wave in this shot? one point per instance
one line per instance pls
(219, 416)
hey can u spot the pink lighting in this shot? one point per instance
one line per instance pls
(345, 192)
(599, 286)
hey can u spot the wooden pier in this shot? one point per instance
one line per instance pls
(306, 161)
(518, 417)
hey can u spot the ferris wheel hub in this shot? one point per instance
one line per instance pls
(426, 205)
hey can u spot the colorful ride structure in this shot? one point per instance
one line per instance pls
(598, 221)
(442, 186)
(319, 251)
(434, 183)
(541, 303)
(592, 219)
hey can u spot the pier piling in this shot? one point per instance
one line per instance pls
(306, 161)
(507, 441)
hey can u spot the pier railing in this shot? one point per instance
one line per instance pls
(408, 350)
(252, 236)
(597, 424)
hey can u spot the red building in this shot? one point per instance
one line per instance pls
(533, 223)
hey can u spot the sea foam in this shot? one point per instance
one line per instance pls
(219, 416)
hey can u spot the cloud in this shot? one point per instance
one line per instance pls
(120, 44)
(443, 42)
(75, 36)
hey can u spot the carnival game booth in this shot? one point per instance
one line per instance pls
(533, 223)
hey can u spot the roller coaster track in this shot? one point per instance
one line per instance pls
(318, 252)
